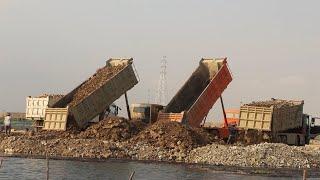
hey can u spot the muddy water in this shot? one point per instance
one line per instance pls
(21, 168)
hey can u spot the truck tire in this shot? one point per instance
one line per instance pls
(298, 141)
(283, 139)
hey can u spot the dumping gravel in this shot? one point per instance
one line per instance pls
(95, 82)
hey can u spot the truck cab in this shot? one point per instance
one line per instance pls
(314, 127)
(111, 111)
(146, 112)
(299, 136)
(232, 117)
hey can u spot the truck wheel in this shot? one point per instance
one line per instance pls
(283, 139)
(298, 140)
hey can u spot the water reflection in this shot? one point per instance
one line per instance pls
(20, 168)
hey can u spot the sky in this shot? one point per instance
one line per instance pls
(272, 46)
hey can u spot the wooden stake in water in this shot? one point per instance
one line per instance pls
(47, 168)
(1, 163)
(304, 174)
(131, 176)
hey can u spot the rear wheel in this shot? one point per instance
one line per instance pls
(298, 140)
(283, 139)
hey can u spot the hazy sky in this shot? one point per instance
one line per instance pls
(52, 46)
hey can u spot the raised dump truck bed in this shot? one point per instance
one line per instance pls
(194, 100)
(97, 93)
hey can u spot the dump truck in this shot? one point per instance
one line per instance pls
(221, 129)
(145, 112)
(111, 111)
(200, 92)
(36, 108)
(314, 127)
(280, 121)
(93, 96)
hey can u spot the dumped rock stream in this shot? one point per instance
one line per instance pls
(94, 82)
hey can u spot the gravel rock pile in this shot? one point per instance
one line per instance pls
(79, 148)
(146, 151)
(166, 140)
(111, 129)
(260, 155)
(170, 135)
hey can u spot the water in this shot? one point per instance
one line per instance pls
(19, 124)
(20, 168)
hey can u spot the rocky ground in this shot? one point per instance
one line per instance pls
(161, 141)
(259, 155)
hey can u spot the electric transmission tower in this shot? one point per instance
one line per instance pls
(162, 85)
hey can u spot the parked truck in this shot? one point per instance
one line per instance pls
(93, 96)
(221, 129)
(36, 108)
(315, 127)
(278, 120)
(145, 112)
(200, 92)
(111, 111)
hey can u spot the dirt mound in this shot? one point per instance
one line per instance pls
(112, 129)
(94, 82)
(171, 135)
(47, 135)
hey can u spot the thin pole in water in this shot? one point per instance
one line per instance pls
(1, 163)
(47, 168)
(132, 174)
(304, 174)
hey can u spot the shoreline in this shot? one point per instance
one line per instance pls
(168, 142)
(267, 172)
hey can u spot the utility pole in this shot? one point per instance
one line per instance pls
(162, 85)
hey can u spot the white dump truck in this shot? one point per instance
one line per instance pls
(93, 96)
(36, 107)
(283, 121)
